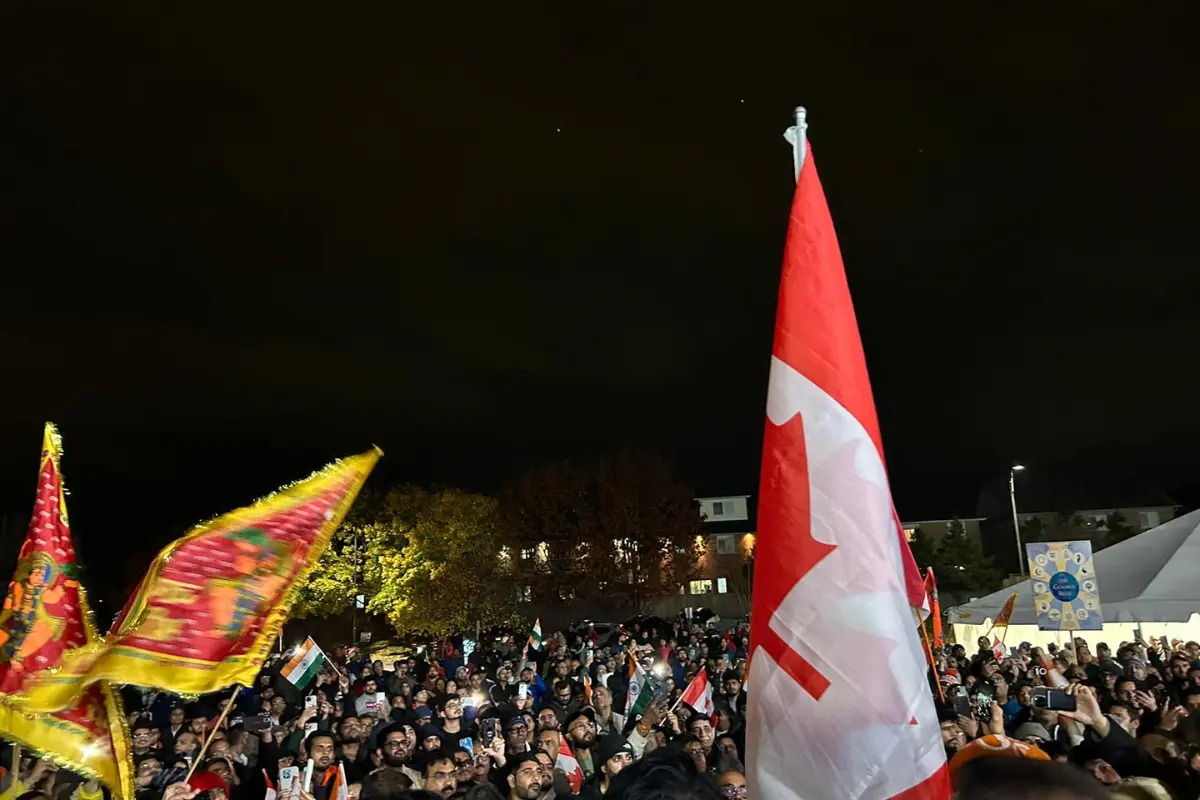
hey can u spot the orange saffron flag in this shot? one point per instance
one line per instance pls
(209, 610)
(935, 608)
(45, 614)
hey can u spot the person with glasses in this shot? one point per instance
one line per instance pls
(732, 785)
(441, 775)
(450, 716)
(395, 751)
(464, 766)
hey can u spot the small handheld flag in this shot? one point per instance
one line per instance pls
(304, 665)
(699, 694)
(568, 765)
(535, 635)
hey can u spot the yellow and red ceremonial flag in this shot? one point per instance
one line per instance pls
(209, 610)
(1005, 613)
(45, 614)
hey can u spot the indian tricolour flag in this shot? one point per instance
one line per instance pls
(640, 690)
(304, 664)
(535, 635)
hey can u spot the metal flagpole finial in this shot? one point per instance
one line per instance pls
(797, 135)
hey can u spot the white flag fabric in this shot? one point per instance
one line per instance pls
(839, 707)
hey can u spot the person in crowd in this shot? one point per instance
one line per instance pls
(732, 784)
(548, 718)
(613, 754)
(526, 778)
(516, 734)
(580, 729)
(371, 702)
(396, 747)
(441, 774)
(607, 720)
(176, 726)
(450, 719)
(321, 749)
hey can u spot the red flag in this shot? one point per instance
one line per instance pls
(698, 694)
(935, 608)
(840, 705)
(45, 614)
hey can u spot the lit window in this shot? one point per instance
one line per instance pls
(909, 533)
(722, 586)
(700, 587)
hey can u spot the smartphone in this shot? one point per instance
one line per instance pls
(661, 693)
(306, 779)
(310, 701)
(289, 779)
(1053, 699)
(488, 731)
(169, 776)
(961, 702)
(309, 729)
(259, 722)
(522, 690)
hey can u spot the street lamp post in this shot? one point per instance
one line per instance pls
(1012, 496)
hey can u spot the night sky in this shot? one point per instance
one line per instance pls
(241, 240)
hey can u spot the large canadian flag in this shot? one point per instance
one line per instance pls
(839, 706)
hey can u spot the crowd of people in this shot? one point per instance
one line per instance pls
(1129, 719)
(498, 723)
(433, 724)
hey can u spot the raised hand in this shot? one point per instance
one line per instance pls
(1087, 709)
(1171, 716)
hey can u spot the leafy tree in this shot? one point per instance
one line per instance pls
(1118, 529)
(961, 567)
(620, 528)
(924, 550)
(425, 559)
(1033, 530)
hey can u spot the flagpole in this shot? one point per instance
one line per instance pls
(799, 139)
(208, 739)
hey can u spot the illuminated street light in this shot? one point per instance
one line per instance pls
(1012, 496)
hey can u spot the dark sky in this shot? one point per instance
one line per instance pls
(241, 239)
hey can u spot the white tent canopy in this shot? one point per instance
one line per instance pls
(1151, 578)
